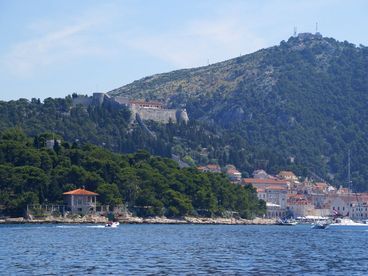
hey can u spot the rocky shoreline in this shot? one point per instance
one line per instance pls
(138, 220)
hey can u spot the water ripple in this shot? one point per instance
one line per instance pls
(180, 249)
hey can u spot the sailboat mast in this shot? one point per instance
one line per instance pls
(349, 173)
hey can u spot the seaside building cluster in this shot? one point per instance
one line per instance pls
(286, 195)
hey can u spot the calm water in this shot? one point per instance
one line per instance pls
(181, 249)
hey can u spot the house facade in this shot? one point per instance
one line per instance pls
(80, 201)
(234, 175)
(359, 210)
(275, 211)
(353, 206)
(299, 205)
(341, 205)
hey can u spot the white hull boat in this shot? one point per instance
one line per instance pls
(111, 224)
(347, 224)
(286, 222)
(320, 225)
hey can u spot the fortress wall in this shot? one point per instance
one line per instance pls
(98, 98)
(82, 100)
(158, 115)
(161, 115)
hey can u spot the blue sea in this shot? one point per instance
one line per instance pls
(181, 250)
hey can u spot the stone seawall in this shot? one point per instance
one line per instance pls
(138, 220)
(198, 220)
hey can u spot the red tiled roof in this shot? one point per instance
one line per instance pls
(321, 185)
(232, 171)
(264, 181)
(275, 187)
(213, 166)
(297, 199)
(298, 202)
(80, 192)
(296, 196)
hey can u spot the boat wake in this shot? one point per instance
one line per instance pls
(80, 226)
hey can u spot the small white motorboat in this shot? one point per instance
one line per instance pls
(112, 224)
(320, 225)
(286, 222)
(348, 224)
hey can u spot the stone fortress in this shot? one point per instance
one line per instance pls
(141, 110)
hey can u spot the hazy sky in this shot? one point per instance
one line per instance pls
(54, 48)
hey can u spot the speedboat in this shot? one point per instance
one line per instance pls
(112, 224)
(286, 222)
(347, 223)
(320, 225)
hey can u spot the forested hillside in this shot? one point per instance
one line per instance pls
(304, 100)
(30, 173)
(298, 106)
(197, 142)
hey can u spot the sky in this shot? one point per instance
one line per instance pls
(52, 48)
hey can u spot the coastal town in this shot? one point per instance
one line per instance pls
(287, 195)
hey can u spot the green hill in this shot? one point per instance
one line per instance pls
(303, 100)
(297, 106)
(31, 173)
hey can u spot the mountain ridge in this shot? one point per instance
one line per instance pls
(298, 106)
(149, 83)
(305, 98)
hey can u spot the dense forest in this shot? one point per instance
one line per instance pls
(196, 143)
(31, 173)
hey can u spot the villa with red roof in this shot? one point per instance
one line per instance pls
(80, 201)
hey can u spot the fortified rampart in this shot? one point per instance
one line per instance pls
(157, 115)
(82, 100)
(146, 110)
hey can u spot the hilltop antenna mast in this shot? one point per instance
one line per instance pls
(349, 173)
(316, 27)
(295, 31)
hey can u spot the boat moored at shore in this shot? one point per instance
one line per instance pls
(347, 224)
